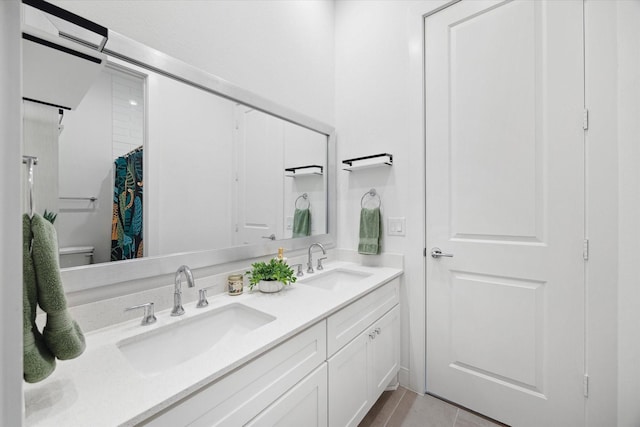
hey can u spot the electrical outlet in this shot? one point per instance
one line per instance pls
(396, 226)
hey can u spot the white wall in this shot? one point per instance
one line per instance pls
(378, 104)
(11, 402)
(282, 50)
(601, 224)
(86, 170)
(628, 213)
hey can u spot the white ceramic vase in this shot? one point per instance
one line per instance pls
(270, 286)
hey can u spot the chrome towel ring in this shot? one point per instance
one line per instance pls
(372, 194)
(303, 196)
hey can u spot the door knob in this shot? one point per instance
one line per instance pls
(437, 253)
(271, 237)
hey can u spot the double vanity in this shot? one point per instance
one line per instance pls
(320, 352)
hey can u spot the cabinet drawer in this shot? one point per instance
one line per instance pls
(238, 397)
(349, 322)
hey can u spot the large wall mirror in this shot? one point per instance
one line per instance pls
(161, 163)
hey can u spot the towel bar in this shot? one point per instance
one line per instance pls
(91, 199)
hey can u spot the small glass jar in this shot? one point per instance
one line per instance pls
(234, 284)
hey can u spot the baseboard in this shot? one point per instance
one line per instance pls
(393, 385)
(403, 377)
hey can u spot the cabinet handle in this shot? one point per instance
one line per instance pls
(372, 335)
(377, 331)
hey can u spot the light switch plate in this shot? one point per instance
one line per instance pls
(396, 226)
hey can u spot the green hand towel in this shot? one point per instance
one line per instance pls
(61, 334)
(37, 361)
(369, 232)
(302, 223)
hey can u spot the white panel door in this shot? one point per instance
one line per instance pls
(505, 196)
(259, 176)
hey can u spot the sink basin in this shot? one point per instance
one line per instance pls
(156, 351)
(335, 279)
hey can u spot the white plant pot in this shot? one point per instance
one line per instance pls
(270, 286)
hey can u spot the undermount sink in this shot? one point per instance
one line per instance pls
(163, 348)
(335, 279)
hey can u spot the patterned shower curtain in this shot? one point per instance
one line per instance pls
(126, 225)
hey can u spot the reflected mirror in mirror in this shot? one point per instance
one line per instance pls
(151, 166)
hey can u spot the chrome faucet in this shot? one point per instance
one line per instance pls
(178, 310)
(310, 261)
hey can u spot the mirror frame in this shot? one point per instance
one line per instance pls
(86, 278)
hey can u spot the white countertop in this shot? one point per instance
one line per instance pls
(101, 388)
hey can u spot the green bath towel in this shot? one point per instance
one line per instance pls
(61, 333)
(37, 361)
(369, 231)
(302, 223)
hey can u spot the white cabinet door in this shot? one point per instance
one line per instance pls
(349, 387)
(359, 372)
(385, 351)
(303, 405)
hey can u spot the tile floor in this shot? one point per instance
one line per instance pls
(404, 408)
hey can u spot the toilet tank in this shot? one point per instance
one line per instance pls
(74, 256)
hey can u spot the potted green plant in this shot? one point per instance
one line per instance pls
(50, 216)
(270, 276)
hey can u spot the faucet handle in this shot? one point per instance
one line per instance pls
(202, 297)
(299, 273)
(149, 316)
(320, 266)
